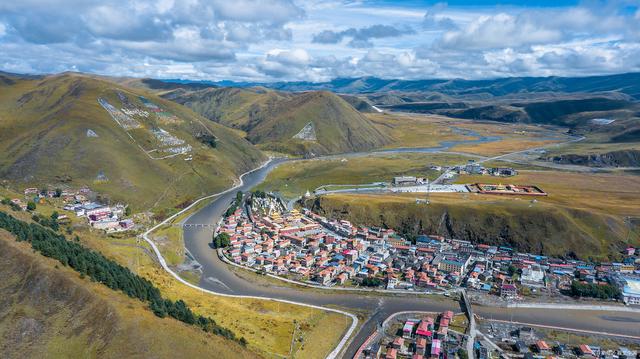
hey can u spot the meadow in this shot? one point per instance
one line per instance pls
(267, 326)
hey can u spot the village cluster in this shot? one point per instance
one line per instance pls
(103, 217)
(307, 247)
(427, 337)
(417, 336)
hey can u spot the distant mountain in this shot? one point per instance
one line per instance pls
(628, 84)
(308, 123)
(625, 83)
(76, 130)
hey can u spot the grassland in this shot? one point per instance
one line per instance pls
(271, 119)
(408, 130)
(267, 326)
(43, 141)
(503, 146)
(293, 179)
(611, 194)
(585, 216)
(49, 311)
(412, 130)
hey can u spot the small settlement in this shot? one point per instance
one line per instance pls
(104, 217)
(428, 336)
(307, 247)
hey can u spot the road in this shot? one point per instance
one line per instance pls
(504, 156)
(219, 279)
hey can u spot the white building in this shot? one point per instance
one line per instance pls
(532, 276)
(630, 287)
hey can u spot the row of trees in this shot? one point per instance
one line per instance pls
(108, 272)
(31, 205)
(51, 222)
(593, 290)
(237, 202)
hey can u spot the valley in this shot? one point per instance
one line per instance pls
(158, 148)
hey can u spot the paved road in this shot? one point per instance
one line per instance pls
(219, 278)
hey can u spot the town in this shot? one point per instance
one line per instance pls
(309, 248)
(418, 335)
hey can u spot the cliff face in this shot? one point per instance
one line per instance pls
(625, 158)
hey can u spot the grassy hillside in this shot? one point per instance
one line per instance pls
(46, 310)
(542, 228)
(271, 325)
(310, 123)
(584, 215)
(53, 131)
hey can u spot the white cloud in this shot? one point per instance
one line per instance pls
(267, 40)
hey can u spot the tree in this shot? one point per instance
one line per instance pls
(371, 282)
(31, 206)
(127, 211)
(222, 240)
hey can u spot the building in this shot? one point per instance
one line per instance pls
(542, 347)
(503, 171)
(630, 288)
(453, 265)
(404, 181)
(532, 276)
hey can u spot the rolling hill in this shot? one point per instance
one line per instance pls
(308, 123)
(48, 311)
(623, 83)
(129, 145)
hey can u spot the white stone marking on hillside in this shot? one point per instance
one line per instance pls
(308, 133)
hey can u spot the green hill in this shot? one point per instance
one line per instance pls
(309, 123)
(130, 145)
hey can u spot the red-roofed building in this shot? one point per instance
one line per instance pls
(585, 350)
(391, 353)
(542, 347)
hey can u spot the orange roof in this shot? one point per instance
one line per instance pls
(542, 345)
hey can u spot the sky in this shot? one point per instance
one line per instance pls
(314, 40)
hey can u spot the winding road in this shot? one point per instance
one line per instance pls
(218, 278)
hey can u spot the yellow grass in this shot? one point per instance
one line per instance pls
(267, 326)
(417, 130)
(604, 193)
(503, 146)
(295, 178)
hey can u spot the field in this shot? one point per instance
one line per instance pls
(612, 194)
(413, 130)
(585, 216)
(295, 178)
(409, 130)
(271, 326)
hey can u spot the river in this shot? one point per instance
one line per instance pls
(217, 276)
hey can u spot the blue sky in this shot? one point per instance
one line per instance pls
(314, 40)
